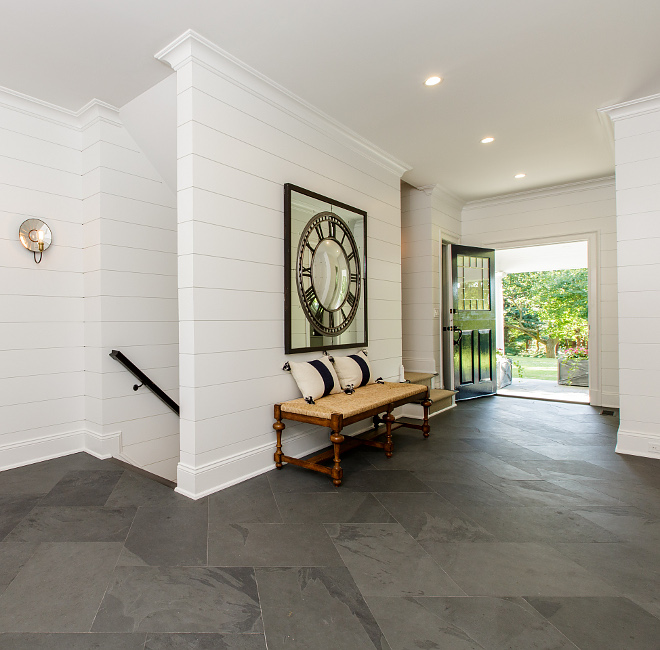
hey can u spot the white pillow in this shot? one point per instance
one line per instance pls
(315, 378)
(354, 370)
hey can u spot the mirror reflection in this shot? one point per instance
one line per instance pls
(330, 274)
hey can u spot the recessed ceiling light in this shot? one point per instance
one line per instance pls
(487, 140)
(520, 175)
(432, 81)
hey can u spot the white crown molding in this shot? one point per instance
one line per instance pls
(633, 108)
(78, 120)
(32, 106)
(554, 190)
(447, 196)
(96, 111)
(192, 46)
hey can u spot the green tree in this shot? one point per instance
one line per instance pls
(549, 306)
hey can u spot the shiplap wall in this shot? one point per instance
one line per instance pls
(637, 155)
(240, 139)
(41, 307)
(428, 216)
(130, 296)
(557, 214)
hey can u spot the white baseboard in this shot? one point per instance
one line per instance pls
(638, 444)
(103, 446)
(36, 450)
(198, 482)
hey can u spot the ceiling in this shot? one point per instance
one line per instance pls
(530, 73)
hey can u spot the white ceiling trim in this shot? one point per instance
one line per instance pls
(566, 188)
(192, 46)
(79, 120)
(634, 108)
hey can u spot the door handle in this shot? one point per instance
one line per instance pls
(454, 328)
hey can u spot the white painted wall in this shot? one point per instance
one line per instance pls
(240, 138)
(130, 296)
(637, 156)
(42, 383)
(572, 212)
(108, 281)
(429, 216)
(150, 120)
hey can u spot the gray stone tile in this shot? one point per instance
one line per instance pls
(319, 608)
(453, 468)
(564, 469)
(627, 523)
(632, 571)
(31, 479)
(516, 569)
(135, 490)
(407, 625)
(72, 641)
(13, 508)
(74, 524)
(382, 481)
(179, 600)
(291, 479)
(465, 623)
(205, 642)
(340, 507)
(12, 558)
(539, 493)
(248, 502)
(59, 589)
(83, 488)
(271, 545)
(430, 519)
(539, 524)
(601, 623)
(384, 560)
(172, 535)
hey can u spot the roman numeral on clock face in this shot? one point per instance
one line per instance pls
(306, 272)
(331, 319)
(319, 231)
(350, 299)
(310, 295)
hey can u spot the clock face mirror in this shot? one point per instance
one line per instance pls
(330, 274)
(325, 273)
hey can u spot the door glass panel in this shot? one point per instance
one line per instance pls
(473, 280)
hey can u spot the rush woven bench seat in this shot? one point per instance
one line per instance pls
(340, 410)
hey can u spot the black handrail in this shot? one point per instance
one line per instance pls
(132, 368)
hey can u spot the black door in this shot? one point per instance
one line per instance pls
(472, 319)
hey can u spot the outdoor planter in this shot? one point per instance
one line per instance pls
(504, 373)
(573, 372)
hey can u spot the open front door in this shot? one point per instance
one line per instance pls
(472, 321)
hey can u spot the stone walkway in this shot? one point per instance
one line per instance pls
(545, 390)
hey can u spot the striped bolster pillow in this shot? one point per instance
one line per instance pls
(354, 370)
(315, 378)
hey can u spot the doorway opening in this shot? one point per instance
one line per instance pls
(543, 322)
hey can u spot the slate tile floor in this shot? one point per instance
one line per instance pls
(514, 526)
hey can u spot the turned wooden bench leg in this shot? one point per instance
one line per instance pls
(389, 443)
(426, 429)
(336, 438)
(279, 427)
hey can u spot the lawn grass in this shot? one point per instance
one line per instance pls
(536, 367)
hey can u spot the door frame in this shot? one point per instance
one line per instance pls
(593, 289)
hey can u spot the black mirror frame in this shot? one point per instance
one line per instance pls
(288, 288)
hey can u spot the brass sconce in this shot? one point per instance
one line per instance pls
(36, 236)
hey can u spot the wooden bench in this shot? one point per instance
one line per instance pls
(340, 410)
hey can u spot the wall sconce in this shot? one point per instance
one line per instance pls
(36, 236)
